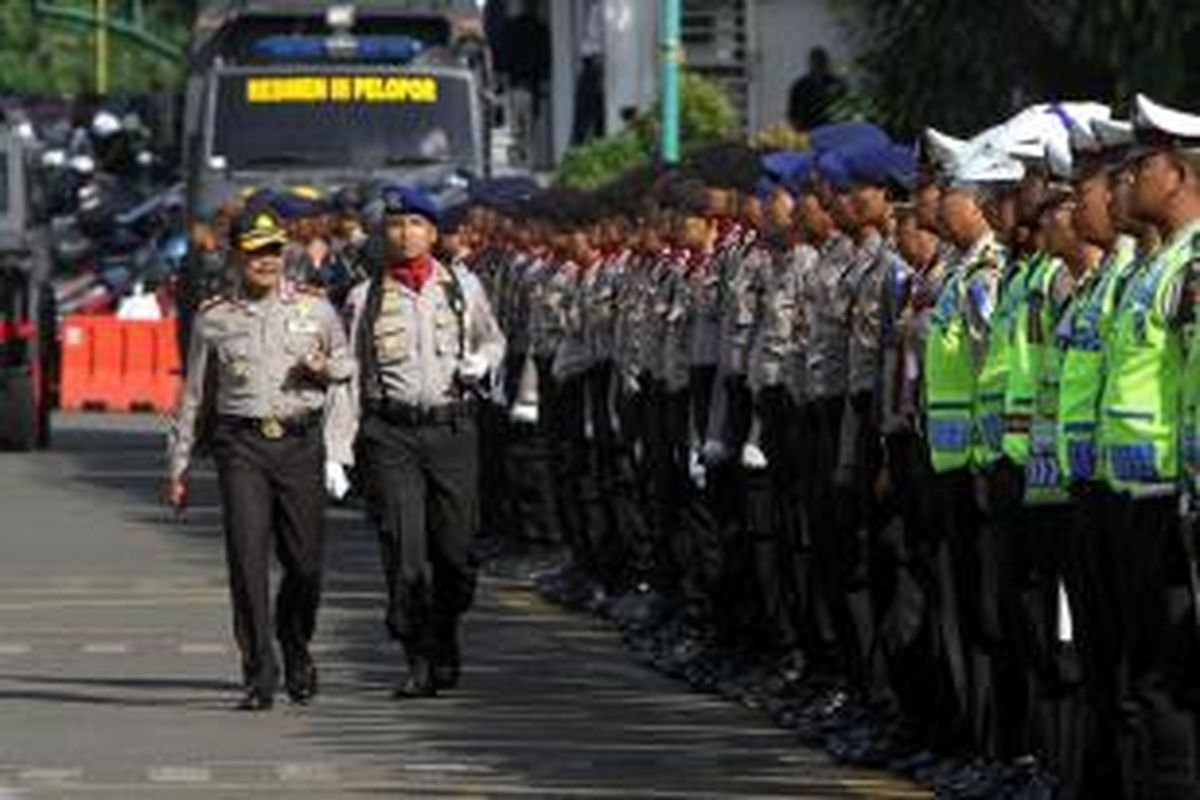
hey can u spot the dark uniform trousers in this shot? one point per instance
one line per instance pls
(774, 520)
(272, 495)
(423, 482)
(1156, 628)
(840, 645)
(959, 604)
(909, 634)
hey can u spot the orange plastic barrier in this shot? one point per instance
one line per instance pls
(116, 365)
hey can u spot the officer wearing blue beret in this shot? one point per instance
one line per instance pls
(426, 342)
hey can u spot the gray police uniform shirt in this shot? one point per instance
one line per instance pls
(677, 325)
(602, 296)
(419, 345)
(573, 355)
(547, 289)
(658, 300)
(740, 314)
(911, 297)
(829, 344)
(773, 352)
(256, 348)
(516, 303)
(632, 317)
(986, 261)
(878, 261)
(795, 372)
(704, 289)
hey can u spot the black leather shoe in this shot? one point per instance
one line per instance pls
(419, 683)
(448, 668)
(301, 680)
(256, 700)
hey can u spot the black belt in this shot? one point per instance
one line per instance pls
(408, 414)
(274, 427)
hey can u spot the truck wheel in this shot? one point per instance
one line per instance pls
(18, 415)
(43, 411)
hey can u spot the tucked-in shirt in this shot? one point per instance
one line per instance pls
(253, 351)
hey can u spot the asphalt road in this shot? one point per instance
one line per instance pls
(117, 670)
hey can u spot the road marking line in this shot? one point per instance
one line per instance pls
(105, 649)
(14, 649)
(50, 775)
(307, 773)
(202, 649)
(444, 767)
(179, 774)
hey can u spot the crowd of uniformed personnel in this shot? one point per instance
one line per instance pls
(900, 444)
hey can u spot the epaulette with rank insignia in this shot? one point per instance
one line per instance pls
(212, 302)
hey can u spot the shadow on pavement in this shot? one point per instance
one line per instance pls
(550, 704)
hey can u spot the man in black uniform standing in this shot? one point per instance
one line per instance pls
(425, 341)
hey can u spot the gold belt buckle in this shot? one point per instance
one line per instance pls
(271, 428)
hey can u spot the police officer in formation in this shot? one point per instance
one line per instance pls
(899, 445)
(894, 446)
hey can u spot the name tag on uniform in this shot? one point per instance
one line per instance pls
(303, 326)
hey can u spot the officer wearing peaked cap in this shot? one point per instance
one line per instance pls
(425, 340)
(264, 360)
(1146, 438)
(954, 355)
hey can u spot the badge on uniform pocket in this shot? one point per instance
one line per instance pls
(239, 370)
(304, 326)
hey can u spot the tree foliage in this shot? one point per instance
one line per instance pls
(963, 64)
(43, 56)
(706, 116)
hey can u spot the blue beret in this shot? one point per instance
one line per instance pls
(844, 134)
(902, 164)
(831, 167)
(292, 206)
(504, 191)
(781, 166)
(406, 200)
(260, 199)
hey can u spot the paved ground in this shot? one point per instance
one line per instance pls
(117, 670)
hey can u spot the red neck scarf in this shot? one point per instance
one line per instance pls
(412, 272)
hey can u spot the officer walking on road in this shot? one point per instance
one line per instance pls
(265, 357)
(425, 341)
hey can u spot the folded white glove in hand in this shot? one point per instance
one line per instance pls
(473, 367)
(526, 413)
(753, 457)
(696, 471)
(337, 485)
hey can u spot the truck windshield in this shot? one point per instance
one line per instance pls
(362, 118)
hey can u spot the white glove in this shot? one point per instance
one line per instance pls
(713, 452)
(526, 413)
(753, 457)
(473, 367)
(337, 485)
(696, 470)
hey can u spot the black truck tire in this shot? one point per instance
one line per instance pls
(18, 415)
